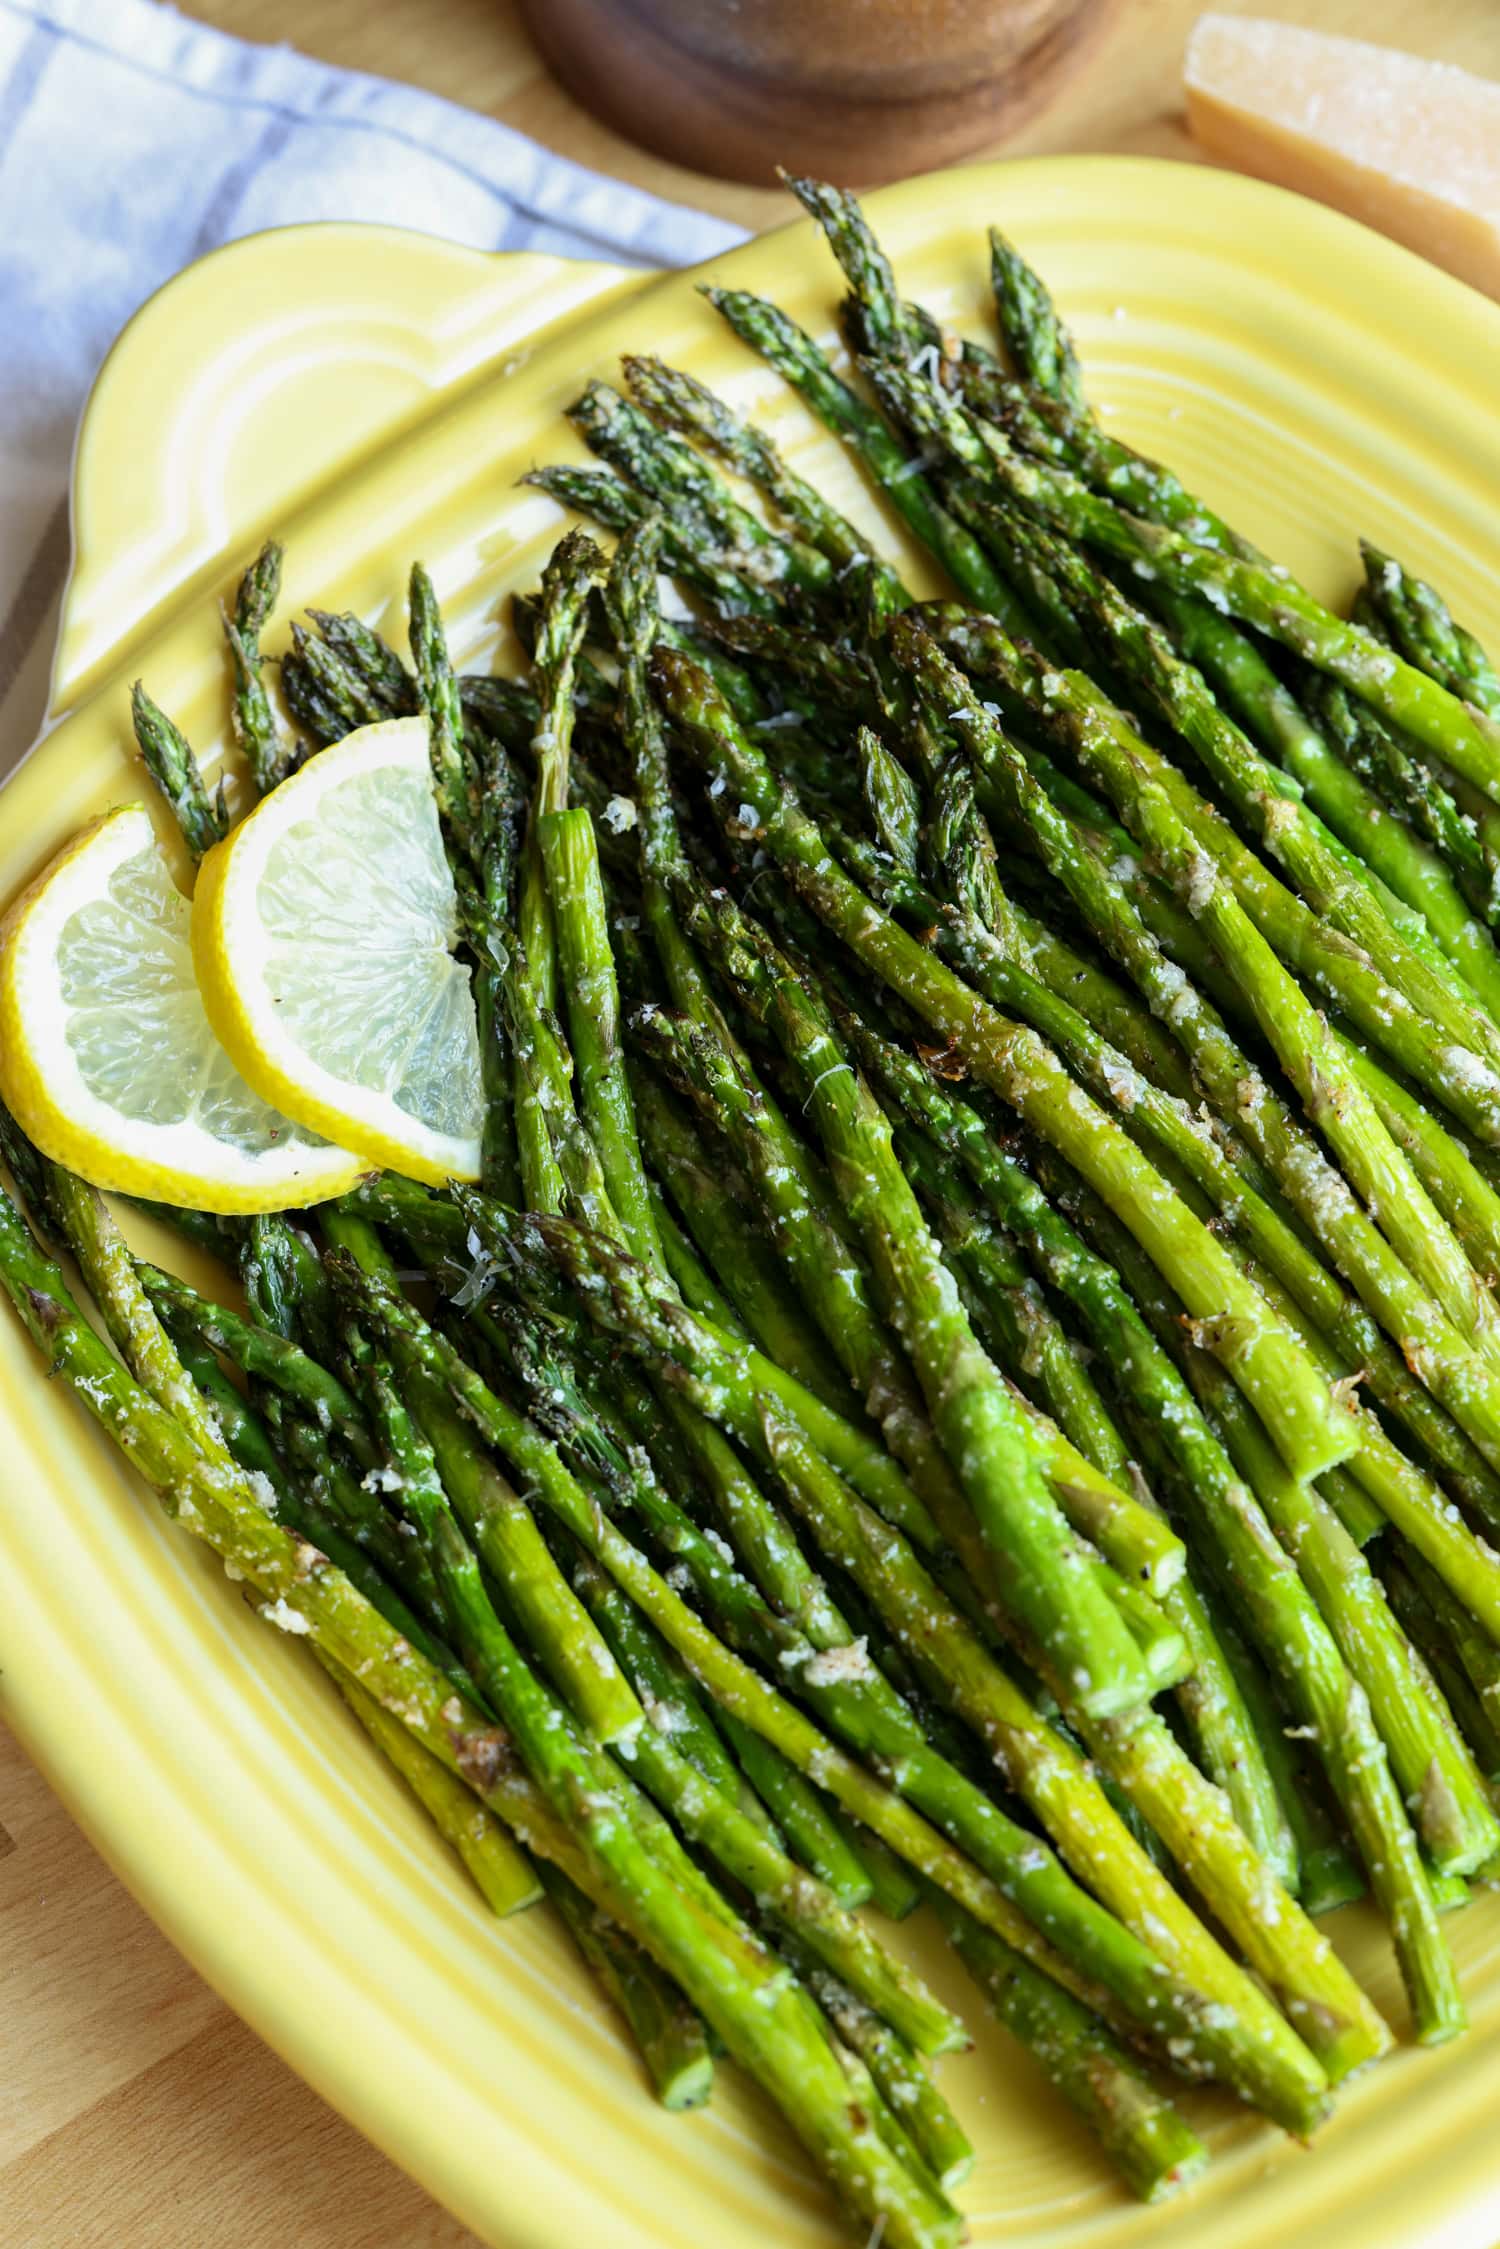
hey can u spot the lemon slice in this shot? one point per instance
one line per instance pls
(323, 928)
(106, 1055)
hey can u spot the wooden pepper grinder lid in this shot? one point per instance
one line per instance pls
(855, 90)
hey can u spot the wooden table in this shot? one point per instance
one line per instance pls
(138, 2111)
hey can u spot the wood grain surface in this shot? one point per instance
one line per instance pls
(137, 2110)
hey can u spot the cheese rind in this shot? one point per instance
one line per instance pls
(1410, 147)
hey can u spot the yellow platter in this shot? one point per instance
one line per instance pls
(374, 396)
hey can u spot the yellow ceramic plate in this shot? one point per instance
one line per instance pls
(375, 397)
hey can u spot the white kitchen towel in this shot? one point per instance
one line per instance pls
(132, 140)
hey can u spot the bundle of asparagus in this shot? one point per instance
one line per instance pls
(969, 1380)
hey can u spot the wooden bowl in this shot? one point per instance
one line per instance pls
(855, 90)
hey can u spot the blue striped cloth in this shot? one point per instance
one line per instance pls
(132, 140)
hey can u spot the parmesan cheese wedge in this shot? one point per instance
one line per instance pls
(1410, 147)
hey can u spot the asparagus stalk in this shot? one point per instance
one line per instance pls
(169, 759)
(576, 888)
(1314, 1061)
(680, 402)
(1434, 1648)
(1310, 1428)
(438, 1230)
(890, 1577)
(580, 1782)
(1027, 1868)
(667, 2030)
(1317, 1063)
(1142, 2135)
(1416, 618)
(543, 1068)
(798, 358)
(1230, 1744)
(672, 475)
(499, 1870)
(1335, 883)
(1038, 341)
(1138, 1750)
(1054, 421)
(504, 1534)
(793, 1807)
(266, 1356)
(1060, 1605)
(479, 800)
(299, 1505)
(688, 545)
(1335, 1700)
(1265, 598)
(1466, 839)
(255, 729)
(1411, 868)
(455, 780)
(323, 686)
(905, 2084)
(371, 657)
(761, 2016)
(686, 1270)
(713, 1207)
(829, 1275)
(1476, 1651)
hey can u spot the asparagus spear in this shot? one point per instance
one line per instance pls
(371, 657)
(1412, 869)
(613, 1293)
(579, 1781)
(543, 1068)
(505, 1535)
(829, 1275)
(671, 474)
(1417, 619)
(1312, 1430)
(455, 780)
(1038, 341)
(689, 545)
(169, 759)
(1211, 1848)
(1330, 961)
(438, 1230)
(1435, 1650)
(686, 1269)
(1053, 420)
(479, 798)
(668, 2031)
(714, 1206)
(301, 1504)
(273, 1358)
(1334, 1700)
(761, 2015)
(912, 1766)
(1234, 1749)
(1319, 1066)
(1061, 1607)
(1336, 885)
(255, 729)
(904, 2082)
(1476, 1651)
(499, 1870)
(680, 402)
(1135, 2126)
(795, 1810)
(796, 356)
(1468, 841)
(1265, 598)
